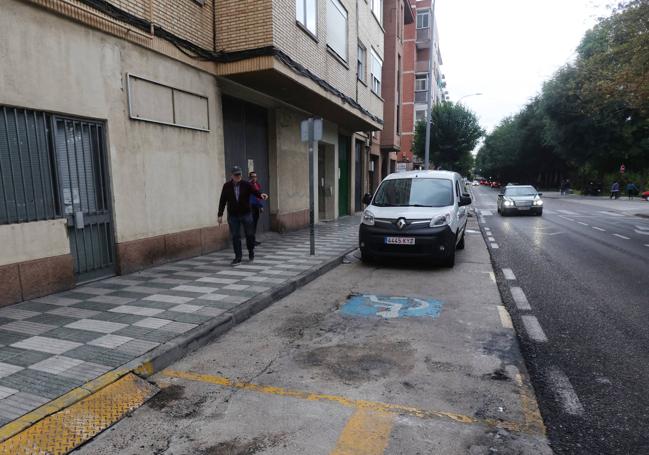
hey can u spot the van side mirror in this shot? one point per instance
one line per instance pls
(540, 194)
(367, 199)
(465, 199)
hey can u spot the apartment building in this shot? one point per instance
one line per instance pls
(119, 121)
(398, 14)
(421, 44)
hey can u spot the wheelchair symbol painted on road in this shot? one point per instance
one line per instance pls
(391, 307)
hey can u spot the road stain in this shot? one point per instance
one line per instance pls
(361, 363)
(237, 446)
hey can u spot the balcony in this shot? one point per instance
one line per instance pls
(423, 38)
(420, 97)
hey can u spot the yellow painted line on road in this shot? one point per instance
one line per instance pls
(533, 420)
(343, 401)
(366, 433)
(61, 432)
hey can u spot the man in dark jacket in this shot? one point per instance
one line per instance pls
(236, 195)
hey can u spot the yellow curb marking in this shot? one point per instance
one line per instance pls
(531, 414)
(66, 429)
(347, 402)
(366, 433)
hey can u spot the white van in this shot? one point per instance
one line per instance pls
(415, 214)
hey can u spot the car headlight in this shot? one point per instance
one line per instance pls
(538, 202)
(508, 203)
(368, 218)
(441, 220)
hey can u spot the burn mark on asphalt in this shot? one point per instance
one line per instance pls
(361, 363)
(172, 400)
(237, 446)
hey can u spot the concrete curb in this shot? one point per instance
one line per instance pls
(173, 350)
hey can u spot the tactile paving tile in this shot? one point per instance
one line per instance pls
(65, 430)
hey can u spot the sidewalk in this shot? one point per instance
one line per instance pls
(635, 207)
(52, 345)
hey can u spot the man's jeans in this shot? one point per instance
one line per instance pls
(235, 223)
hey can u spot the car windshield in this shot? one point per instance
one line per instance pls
(520, 191)
(418, 192)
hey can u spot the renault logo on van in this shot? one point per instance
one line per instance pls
(401, 223)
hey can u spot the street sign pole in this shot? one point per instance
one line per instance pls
(311, 132)
(311, 191)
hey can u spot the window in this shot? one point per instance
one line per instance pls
(377, 9)
(377, 68)
(337, 28)
(361, 68)
(414, 192)
(27, 179)
(421, 82)
(422, 19)
(420, 115)
(305, 13)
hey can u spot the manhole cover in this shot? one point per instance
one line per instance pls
(390, 307)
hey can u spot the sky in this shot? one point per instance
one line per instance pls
(505, 49)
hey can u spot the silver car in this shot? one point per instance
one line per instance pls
(520, 199)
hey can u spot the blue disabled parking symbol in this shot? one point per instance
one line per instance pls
(391, 307)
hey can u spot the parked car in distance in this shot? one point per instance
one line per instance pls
(419, 214)
(645, 195)
(475, 183)
(520, 199)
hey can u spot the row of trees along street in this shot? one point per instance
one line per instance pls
(454, 134)
(591, 117)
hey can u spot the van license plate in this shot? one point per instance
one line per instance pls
(400, 240)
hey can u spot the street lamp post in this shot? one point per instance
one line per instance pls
(466, 96)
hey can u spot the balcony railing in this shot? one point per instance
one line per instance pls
(423, 38)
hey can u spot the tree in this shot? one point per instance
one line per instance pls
(591, 116)
(455, 132)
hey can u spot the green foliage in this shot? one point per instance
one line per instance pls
(590, 117)
(455, 132)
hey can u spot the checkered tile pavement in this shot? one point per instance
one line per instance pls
(53, 344)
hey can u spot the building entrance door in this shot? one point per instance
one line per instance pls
(245, 134)
(80, 151)
(344, 185)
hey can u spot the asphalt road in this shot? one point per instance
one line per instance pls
(577, 286)
(365, 360)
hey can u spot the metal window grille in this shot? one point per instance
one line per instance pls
(27, 169)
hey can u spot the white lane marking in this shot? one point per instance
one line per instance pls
(566, 218)
(610, 213)
(534, 329)
(647, 245)
(509, 274)
(621, 236)
(599, 228)
(491, 239)
(494, 246)
(641, 232)
(642, 228)
(582, 223)
(484, 212)
(471, 231)
(519, 297)
(564, 392)
(567, 212)
(505, 319)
